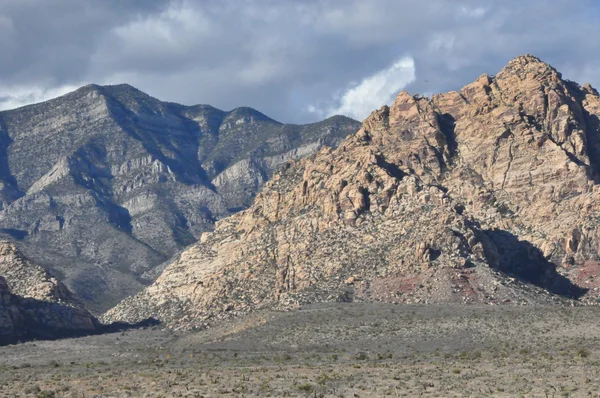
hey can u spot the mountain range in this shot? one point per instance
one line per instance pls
(104, 184)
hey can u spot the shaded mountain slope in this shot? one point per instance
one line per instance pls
(486, 195)
(105, 183)
(33, 304)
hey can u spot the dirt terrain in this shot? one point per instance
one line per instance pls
(333, 350)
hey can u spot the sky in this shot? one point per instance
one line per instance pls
(297, 61)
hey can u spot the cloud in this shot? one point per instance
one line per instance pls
(12, 98)
(472, 12)
(282, 57)
(373, 91)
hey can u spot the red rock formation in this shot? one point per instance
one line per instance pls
(470, 196)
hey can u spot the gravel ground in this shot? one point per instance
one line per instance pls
(337, 350)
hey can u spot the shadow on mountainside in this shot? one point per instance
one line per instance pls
(527, 263)
(26, 319)
(123, 326)
(7, 233)
(593, 142)
(447, 124)
(39, 332)
(592, 128)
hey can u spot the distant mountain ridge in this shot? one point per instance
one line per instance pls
(103, 184)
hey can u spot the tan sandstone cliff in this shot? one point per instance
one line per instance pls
(489, 194)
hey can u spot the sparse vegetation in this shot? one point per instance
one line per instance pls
(413, 351)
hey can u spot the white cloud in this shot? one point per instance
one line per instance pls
(15, 97)
(373, 91)
(472, 12)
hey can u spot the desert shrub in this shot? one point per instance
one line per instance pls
(583, 353)
(32, 389)
(286, 357)
(306, 387)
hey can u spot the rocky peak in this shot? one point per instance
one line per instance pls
(530, 67)
(243, 115)
(587, 87)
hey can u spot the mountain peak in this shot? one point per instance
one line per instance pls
(127, 93)
(530, 67)
(527, 58)
(245, 114)
(123, 87)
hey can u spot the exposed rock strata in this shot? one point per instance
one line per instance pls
(488, 195)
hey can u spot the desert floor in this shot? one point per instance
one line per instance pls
(336, 350)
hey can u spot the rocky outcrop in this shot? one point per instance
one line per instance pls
(34, 305)
(102, 185)
(24, 319)
(29, 280)
(486, 195)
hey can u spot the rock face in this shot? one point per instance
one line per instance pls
(102, 185)
(489, 194)
(34, 305)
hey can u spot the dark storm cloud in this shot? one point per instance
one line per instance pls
(294, 60)
(55, 40)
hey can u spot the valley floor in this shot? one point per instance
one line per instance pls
(336, 350)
